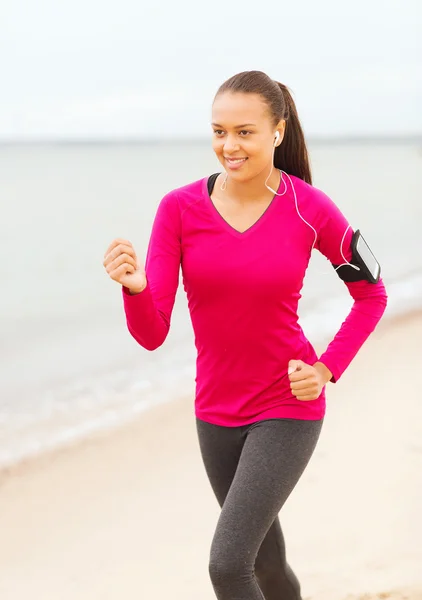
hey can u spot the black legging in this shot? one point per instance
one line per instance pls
(252, 470)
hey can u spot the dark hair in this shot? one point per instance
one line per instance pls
(291, 155)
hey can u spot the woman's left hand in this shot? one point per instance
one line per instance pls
(307, 381)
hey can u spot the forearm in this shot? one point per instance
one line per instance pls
(148, 310)
(369, 305)
(145, 322)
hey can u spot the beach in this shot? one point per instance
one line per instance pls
(128, 513)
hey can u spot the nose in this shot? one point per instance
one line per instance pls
(231, 144)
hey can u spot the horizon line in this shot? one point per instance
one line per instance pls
(107, 141)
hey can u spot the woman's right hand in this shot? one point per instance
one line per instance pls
(122, 265)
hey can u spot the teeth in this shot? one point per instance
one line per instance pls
(236, 159)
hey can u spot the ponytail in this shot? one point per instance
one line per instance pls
(291, 155)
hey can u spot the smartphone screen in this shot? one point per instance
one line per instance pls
(368, 258)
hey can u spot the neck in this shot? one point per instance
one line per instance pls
(253, 189)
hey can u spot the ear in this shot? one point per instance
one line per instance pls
(281, 128)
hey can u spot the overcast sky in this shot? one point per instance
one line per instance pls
(130, 68)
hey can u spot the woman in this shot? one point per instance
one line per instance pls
(244, 239)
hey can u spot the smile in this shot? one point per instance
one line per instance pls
(235, 163)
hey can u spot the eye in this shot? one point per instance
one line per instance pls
(218, 132)
(244, 132)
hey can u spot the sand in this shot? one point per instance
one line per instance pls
(130, 513)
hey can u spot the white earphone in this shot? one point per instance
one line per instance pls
(277, 137)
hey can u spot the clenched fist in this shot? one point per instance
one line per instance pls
(307, 381)
(122, 265)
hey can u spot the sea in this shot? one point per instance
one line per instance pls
(68, 366)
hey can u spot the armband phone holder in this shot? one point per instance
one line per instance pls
(369, 268)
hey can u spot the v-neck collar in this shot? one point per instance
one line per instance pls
(226, 225)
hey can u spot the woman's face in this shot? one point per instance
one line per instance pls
(243, 134)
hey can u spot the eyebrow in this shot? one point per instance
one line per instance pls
(237, 126)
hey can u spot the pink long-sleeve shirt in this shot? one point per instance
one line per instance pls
(243, 291)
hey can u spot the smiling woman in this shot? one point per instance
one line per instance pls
(244, 239)
(244, 126)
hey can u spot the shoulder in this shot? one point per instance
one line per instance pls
(182, 197)
(309, 194)
(314, 202)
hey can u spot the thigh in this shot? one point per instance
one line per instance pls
(221, 448)
(272, 460)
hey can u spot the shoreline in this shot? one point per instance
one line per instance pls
(45, 454)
